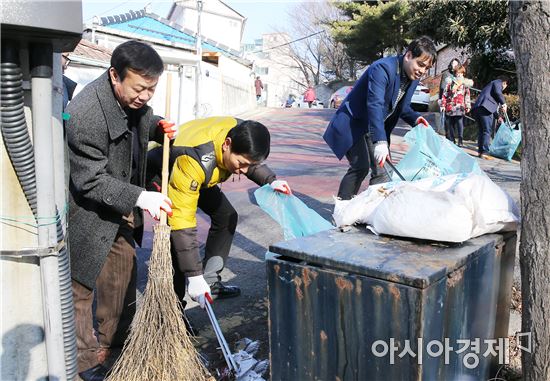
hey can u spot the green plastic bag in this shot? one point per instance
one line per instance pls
(295, 217)
(506, 141)
(431, 155)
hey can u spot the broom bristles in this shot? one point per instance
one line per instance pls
(158, 346)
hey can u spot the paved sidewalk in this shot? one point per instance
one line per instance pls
(300, 156)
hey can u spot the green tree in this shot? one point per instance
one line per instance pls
(478, 25)
(372, 28)
(481, 26)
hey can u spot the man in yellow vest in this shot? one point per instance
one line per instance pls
(205, 153)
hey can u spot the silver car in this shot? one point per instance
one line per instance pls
(421, 98)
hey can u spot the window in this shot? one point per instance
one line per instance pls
(262, 70)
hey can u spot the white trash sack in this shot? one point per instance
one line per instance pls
(451, 208)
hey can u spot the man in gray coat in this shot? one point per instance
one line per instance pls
(108, 131)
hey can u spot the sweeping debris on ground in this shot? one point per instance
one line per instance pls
(159, 347)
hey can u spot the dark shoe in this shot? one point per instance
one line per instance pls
(221, 291)
(97, 373)
(460, 142)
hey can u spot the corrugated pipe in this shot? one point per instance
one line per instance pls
(20, 151)
(14, 125)
(67, 307)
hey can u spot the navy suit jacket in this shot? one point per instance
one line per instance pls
(368, 107)
(491, 96)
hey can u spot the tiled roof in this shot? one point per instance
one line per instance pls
(92, 51)
(152, 25)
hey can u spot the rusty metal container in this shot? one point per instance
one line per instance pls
(335, 298)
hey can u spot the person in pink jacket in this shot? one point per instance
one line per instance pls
(309, 96)
(455, 102)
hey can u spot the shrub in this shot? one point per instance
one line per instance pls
(512, 101)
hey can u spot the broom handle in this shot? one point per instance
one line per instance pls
(166, 147)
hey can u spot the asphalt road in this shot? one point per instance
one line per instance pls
(300, 156)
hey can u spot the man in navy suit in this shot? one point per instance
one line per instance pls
(360, 129)
(487, 104)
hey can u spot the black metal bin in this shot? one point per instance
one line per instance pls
(355, 306)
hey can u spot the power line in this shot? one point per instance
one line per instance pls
(107, 11)
(291, 42)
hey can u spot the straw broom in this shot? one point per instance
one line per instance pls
(158, 346)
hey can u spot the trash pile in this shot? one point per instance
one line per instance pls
(451, 208)
(247, 368)
(447, 196)
(250, 369)
(241, 366)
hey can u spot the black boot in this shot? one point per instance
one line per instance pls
(222, 291)
(97, 373)
(460, 142)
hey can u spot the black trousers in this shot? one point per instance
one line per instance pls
(485, 121)
(361, 159)
(456, 123)
(223, 224)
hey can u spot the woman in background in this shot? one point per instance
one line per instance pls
(455, 102)
(309, 96)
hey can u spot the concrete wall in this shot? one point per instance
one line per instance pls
(237, 91)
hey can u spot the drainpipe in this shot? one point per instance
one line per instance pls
(181, 72)
(198, 71)
(95, 23)
(61, 178)
(41, 56)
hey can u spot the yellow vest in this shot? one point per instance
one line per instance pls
(199, 166)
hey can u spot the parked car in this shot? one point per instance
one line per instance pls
(300, 103)
(338, 96)
(421, 98)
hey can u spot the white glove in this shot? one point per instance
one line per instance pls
(197, 288)
(281, 186)
(153, 202)
(503, 107)
(381, 153)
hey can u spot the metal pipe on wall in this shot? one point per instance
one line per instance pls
(61, 177)
(181, 74)
(198, 72)
(41, 56)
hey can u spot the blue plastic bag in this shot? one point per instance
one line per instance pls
(296, 219)
(506, 141)
(432, 155)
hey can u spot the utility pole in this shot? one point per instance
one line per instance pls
(198, 71)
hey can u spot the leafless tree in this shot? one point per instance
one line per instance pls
(313, 51)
